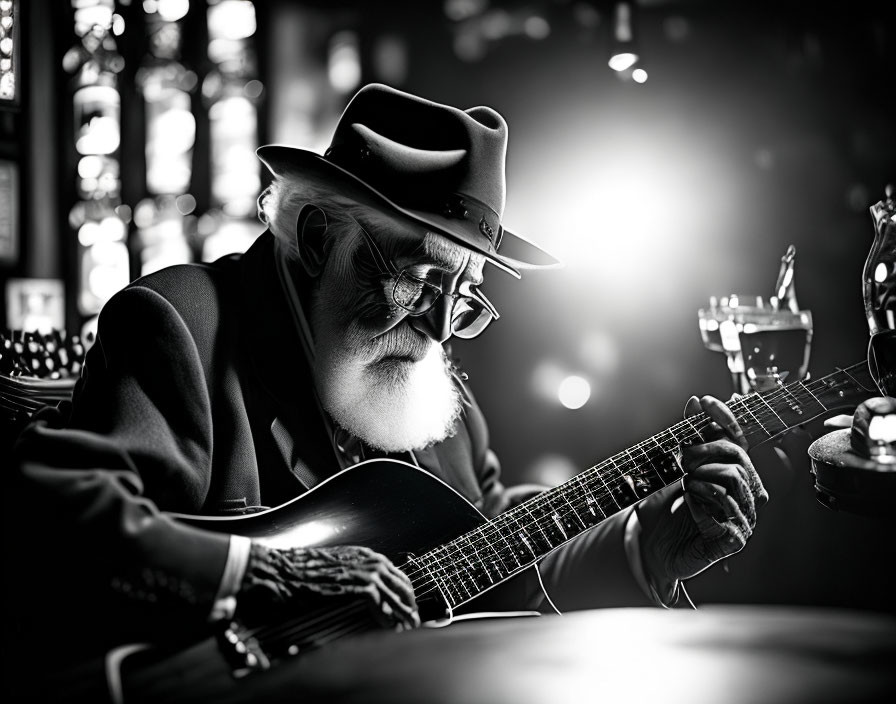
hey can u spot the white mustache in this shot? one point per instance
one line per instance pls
(402, 341)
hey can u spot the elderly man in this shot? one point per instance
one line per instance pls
(226, 388)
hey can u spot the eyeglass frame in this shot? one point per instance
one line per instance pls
(387, 268)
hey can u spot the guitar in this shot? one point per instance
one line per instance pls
(452, 554)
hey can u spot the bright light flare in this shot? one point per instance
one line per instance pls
(574, 392)
(231, 19)
(623, 61)
(173, 10)
(627, 208)
(344, 66)
(551, 469)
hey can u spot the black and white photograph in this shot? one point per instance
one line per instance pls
(448, 351)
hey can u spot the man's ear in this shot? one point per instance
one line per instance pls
(311, 230)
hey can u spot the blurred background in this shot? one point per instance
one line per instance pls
(127, 138)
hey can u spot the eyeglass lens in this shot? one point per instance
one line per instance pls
(469, 317)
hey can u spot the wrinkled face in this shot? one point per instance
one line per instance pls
(382, 373)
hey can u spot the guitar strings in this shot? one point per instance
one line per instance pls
(443, 577)
(339, 622)
(761, 411)
(545, 505)
(440, 577)
(537, 504)
(315, 617)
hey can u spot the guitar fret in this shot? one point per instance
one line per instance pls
(675, 444)
(478, 545)
(758, 422)
(502, 572)
(483, 564)
(573, 509)
(592, 502)
(503, 536)
(650, 461)
(548, 519)
(559, 524)
(783, 424)
(517, 530)
(797, 407)
(807, 390)
(694, 428)
(666, 436)
(626, 499)
(473, 569)
(558, 515)
(652, 465)
(447, 577)
(525, 506)
(464, 585)
(440, 585)
(452, 573)
(526, 542)
(609, 491)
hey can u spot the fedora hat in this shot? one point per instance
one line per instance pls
(440, 166)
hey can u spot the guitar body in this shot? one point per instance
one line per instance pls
(388, 506)
(385, 505)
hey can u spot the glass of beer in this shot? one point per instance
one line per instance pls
(765, 345)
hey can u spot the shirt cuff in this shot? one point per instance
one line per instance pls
(234, 569)
(632, 543)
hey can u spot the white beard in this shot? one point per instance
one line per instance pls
(393, 405)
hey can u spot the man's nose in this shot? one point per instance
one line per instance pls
(436, 322)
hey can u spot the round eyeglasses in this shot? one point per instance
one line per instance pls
(471, 311)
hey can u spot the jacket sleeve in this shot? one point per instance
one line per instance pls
(592, 570)
(93, 478)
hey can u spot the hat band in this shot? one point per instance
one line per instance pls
(464, 207)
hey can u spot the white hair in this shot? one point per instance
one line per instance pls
(280, 204)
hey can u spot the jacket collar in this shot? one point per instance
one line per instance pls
(271, 345)
(269, 338)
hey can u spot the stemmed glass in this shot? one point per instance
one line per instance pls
(765, 345)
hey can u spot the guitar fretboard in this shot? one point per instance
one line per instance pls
(519, 537)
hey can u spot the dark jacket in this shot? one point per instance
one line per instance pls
(195, 399)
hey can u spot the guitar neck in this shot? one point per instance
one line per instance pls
(519, 537)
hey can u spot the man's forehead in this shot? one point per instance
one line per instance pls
(414, 242)
(450, 255)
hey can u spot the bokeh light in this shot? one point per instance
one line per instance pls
(574, 392)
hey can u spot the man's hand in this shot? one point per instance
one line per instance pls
(722, 493)
(288, 578)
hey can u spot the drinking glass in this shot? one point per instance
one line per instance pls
(764, 344)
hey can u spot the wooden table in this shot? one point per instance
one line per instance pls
(717, 655)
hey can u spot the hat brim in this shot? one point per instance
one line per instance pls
(285, 161)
